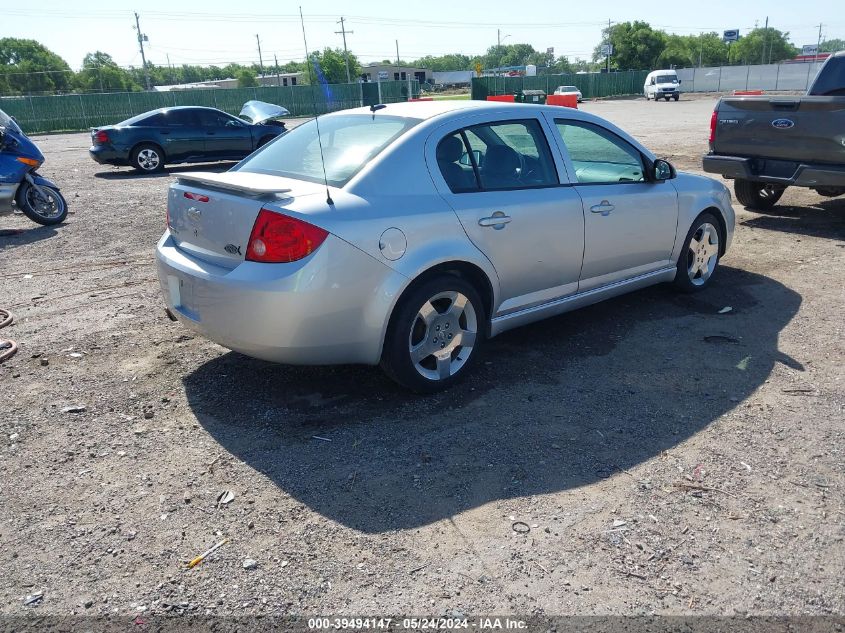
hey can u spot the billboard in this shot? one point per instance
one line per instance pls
(810, 49)
(731, 35)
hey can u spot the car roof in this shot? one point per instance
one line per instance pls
(425, 110)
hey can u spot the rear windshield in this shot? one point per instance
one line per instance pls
(667, 79)
(349, 141)
(830, 82)
(568, 88)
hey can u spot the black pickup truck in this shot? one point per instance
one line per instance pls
(767, 144)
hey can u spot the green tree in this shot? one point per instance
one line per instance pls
(762, 46)
(246, 78)
(332, 63)
(30, 67)
(101, 73)
(832, 46)
(452, 61)
(636, 46)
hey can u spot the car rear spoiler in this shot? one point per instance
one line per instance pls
(246, 183)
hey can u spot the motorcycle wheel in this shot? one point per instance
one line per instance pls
(48, 210)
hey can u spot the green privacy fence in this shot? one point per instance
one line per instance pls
(591, 85)
(82, 111)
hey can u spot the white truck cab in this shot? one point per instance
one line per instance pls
(662, 84)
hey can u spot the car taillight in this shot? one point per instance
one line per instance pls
(101, 137)
(713, 120)
(280, 238)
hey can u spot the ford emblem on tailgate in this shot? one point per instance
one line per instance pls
(783, 124)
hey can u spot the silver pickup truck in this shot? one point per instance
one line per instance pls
(767, 144)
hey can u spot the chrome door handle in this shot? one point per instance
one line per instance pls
(604, 208)
(497, 220)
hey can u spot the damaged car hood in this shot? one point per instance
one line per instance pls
(258, 111)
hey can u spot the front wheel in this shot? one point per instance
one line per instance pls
(434, 334)
(676, 97)
(46, 206)
(700, 254)
(761, 196)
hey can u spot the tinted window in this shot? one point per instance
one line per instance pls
(455, 164)
(830, 81)
(211, 118)
(598, 155)
(156, 120)
(180, 117)
(512, 155)
(349, 142)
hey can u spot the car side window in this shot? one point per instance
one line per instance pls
(156, 120)
(511, 155)
(455, 164)
(180, 118)
(209, 118)
(598, 155)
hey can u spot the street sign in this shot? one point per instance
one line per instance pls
(550, 51)
(810, 49)
(478, 69)
(607, 50)
(731, 36)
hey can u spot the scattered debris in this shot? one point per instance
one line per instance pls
(619, 523)
(75, 409)
(196, 561)
(686, 486)
(721, 339)
(250, 563)
(743, 364)
(322, 439)
(416, 569)
(33, 598)
(725, 310)
(225, 497)
(520, 527)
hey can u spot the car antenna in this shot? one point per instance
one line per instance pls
(314, 104)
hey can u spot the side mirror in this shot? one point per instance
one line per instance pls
(679, 81)
(663, 170)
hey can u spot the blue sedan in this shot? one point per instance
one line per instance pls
(186, 134)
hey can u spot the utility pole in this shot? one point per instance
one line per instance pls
(398, 67)
(141, 39)
(818, 44)
(260, 59)
(343, 32)
(170, 66)
(608, 46)
(278, 77)
(765, 40)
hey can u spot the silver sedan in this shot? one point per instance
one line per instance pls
(407, 235)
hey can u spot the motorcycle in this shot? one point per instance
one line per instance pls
(37, 197)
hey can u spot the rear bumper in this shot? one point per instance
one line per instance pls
(105, 155)
(775, 171)
(329, 308)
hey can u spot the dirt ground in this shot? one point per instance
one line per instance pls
(646, 455)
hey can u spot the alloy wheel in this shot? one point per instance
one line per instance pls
(148, 159)
(443, 335)
(703, 254)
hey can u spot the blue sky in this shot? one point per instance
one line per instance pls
(211, 31)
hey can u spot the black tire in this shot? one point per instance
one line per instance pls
(408, 331)
(148, 158)
(692, 258)
(757, 195)
(676, 97)
(48, 212)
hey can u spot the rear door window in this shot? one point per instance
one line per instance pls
(510, 155)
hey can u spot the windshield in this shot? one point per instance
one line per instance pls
(667, 79)
(8, 122)
(349, 141)
(568, 89)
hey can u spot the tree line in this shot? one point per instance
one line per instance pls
(28, 67)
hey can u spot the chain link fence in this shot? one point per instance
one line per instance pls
(67, 113)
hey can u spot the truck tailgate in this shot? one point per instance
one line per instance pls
(801, 129)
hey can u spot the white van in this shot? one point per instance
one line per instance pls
(662, 83)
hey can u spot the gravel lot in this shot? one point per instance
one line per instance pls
(663, 457)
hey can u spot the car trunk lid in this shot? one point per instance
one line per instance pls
(211, 216)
